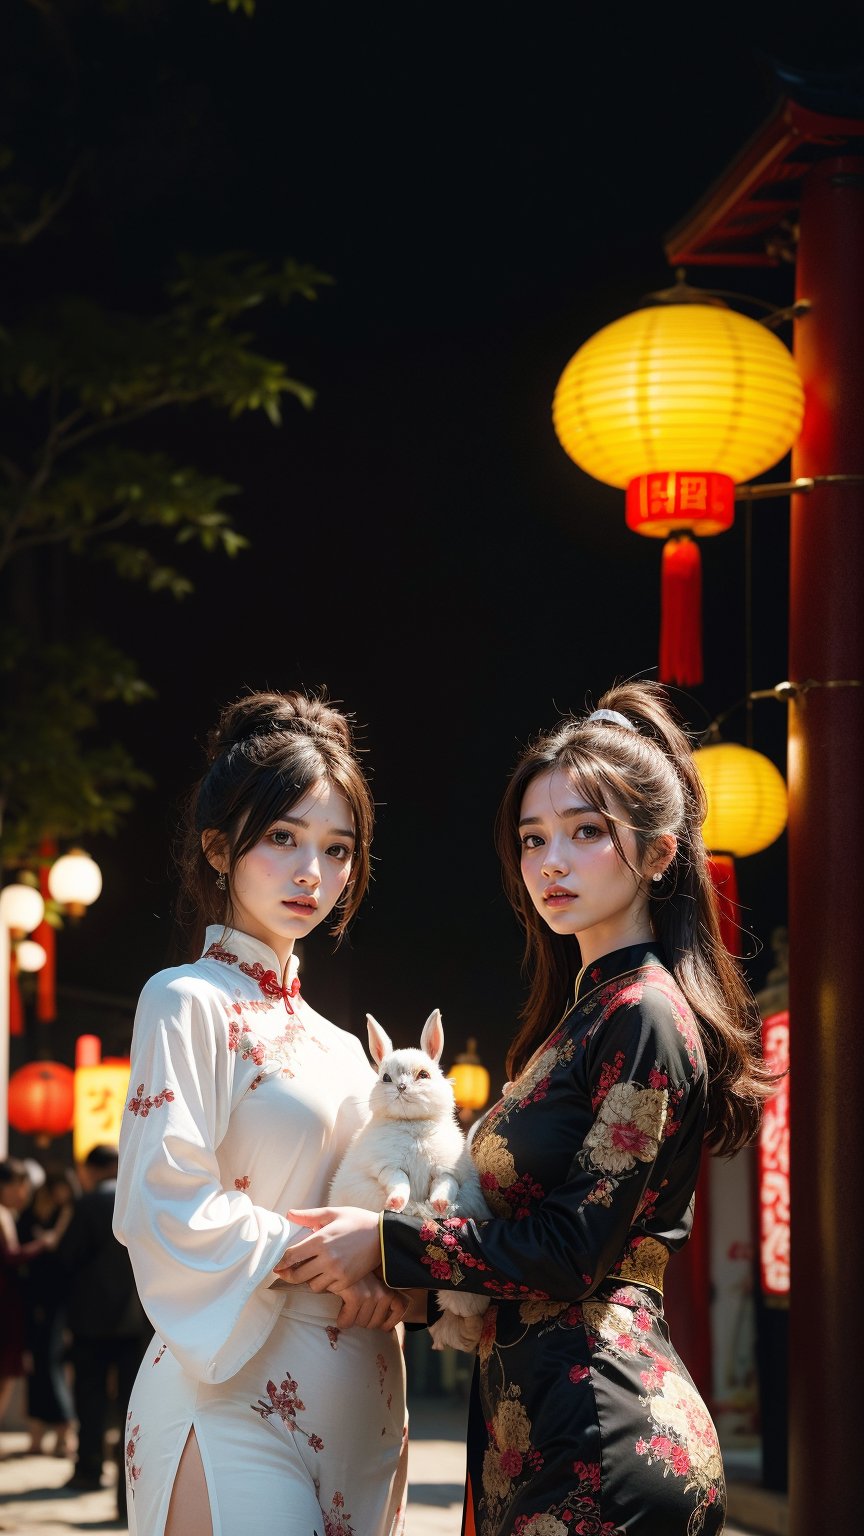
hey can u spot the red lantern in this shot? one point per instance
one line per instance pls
(41, 1100)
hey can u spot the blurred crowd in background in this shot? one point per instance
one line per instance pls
(73, 1329)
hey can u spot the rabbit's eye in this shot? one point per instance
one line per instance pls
(423, 1072)
(386, 1078)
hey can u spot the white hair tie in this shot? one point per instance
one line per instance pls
(613, 718)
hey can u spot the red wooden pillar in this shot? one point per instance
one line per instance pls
(826, 862)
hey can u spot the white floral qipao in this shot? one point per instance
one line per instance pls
(242, 1101)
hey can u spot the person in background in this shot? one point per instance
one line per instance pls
(104, 1317)
(16, 1189)
(50, 1407)
(640, 1044)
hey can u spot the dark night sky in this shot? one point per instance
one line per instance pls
(487, 186)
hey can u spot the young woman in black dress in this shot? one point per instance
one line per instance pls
(639, 1045)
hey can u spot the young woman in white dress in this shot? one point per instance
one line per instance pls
(257, 1405)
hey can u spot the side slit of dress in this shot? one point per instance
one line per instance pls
(189, 1506)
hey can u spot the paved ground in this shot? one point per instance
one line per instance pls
(32, 1502)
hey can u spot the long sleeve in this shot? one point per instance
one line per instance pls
(202, 1254)
(630, 1097)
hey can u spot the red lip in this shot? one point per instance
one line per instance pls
(557, 892)
(305, 902)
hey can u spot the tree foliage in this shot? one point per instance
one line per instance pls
(80, 377)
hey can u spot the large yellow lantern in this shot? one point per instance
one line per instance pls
(747, 811)
(677, 403)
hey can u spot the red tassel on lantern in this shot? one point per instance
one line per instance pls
(725, 882)
(46, 1003)
(681, 613)
(16, 1007)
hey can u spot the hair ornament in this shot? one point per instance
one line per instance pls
(612, 717)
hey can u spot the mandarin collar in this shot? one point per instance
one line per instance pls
(246, 948)
(617, 963)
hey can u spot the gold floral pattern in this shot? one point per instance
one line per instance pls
(510, 1441)
(644, 1262)
(497, 1170)
(628, 1127)
(541, 1311)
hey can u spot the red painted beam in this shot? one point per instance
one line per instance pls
(782, 150)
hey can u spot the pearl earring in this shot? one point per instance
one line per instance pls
(656, 877)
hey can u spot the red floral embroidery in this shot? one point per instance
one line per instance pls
(444, 1253)
(335, 1519)
(247, 1045)
(141, 1106)
(242, 1183)
(673, 1122)
(216, 952)
(157, 1358)
(333, 1335)
(508, 1290)
(281, 1048)
(588, 1472)
(609, 1075)
(242, 1005)
(133, 1472)
(285, 1404)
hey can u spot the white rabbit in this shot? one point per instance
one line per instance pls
(411, 1156)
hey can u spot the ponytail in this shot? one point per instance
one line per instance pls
(638, 771)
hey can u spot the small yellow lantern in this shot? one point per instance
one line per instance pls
(747, 801)
(470, 1079)
(747, 811)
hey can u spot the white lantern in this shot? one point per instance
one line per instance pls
(30, 955)
(75, 881)
(21, 908)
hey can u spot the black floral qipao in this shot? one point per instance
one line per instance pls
(583, 1419)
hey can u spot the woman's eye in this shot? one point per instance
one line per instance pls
(339, 851)
(283, 837)
(588, 832)
(531, 840)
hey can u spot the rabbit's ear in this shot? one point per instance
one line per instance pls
(380, 1044)
(432, 1038)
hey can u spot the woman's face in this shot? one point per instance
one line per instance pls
(574, 874)
(16, 1194)
(292, 879)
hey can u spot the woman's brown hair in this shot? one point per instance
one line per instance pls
(645, 779)
(264, 753)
